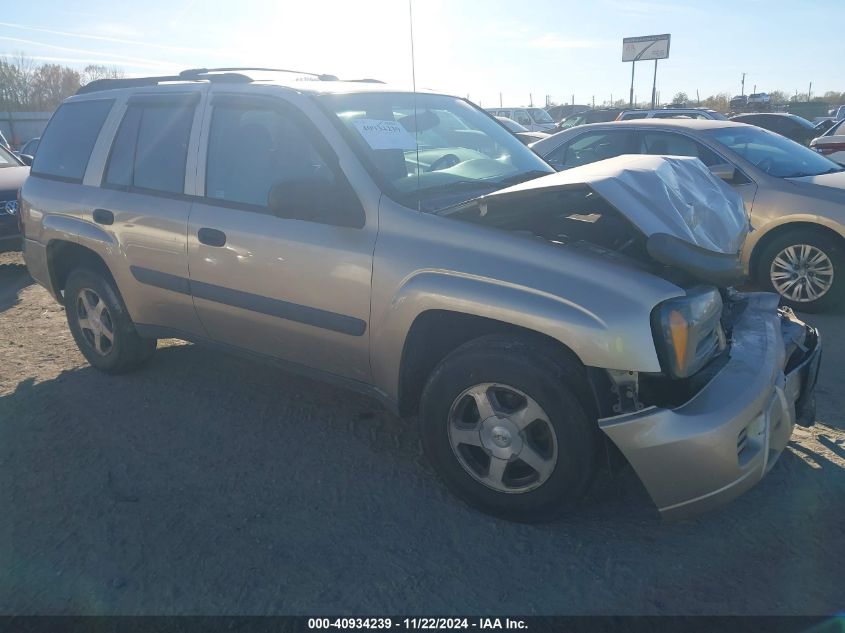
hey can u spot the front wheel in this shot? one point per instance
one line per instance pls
(503, 426)
(806, 268)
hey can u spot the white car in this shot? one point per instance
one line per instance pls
(832, 143)
(759, 98)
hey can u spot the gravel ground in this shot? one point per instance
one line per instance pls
(206, 484)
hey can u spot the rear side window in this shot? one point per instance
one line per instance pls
(66, 146)
(151, 147)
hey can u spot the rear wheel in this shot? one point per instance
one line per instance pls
(502, 424)
(100, 324)
(806, 268)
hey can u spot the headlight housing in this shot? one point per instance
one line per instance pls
(688, 331)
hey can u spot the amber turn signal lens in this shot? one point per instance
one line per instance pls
(680, 332)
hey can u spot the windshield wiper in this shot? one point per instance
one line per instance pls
(801, 174)
(524, 177)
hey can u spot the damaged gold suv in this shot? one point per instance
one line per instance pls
(406, 245)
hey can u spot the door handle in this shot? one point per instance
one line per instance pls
(103, 216)
(211, 237)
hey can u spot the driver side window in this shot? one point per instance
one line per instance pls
(252, 149)
(592, 147)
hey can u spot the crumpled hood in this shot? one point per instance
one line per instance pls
(672, 195)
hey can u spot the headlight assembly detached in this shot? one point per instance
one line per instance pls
(688, 331)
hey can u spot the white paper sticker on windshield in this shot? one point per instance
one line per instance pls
(384, 134)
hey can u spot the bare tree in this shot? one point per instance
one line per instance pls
(93, 72)
(51, 83)
(15, 82)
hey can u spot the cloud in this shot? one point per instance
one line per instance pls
(105, 38)
(140, 61)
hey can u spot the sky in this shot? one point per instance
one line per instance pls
(477, 48)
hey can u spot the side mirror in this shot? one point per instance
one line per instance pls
(315, 200)
(725, 171)
(26, 159)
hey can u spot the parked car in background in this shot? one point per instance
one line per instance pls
(520, 131)
(600, 115)
(791, 126)
(671, 113)
(13, 173)
(532, 119)
(795, 196)
(739, 102)
(759, 98)
(560, 112)
(29, 148)
(832, 143)
(527, 319)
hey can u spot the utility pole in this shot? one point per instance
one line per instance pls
(573, 99)
(594, 102)
(531, 100)
(654, 88)
(810, 92)
(500, 100)
(697, 97)
(743, 85)
(755, 89)
(633, 65)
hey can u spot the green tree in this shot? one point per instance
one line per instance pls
(680, 97)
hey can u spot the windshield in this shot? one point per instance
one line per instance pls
(773, 153)
(572, 121)
(462, 152)
(6, 159)
(540, 116)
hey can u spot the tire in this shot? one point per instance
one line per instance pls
(567, 441)
(95, 312)
(799, 296)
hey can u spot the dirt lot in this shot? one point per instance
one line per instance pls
(209, 484)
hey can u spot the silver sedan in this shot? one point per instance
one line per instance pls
(796, 197)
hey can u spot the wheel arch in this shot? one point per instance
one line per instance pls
(436, 333)
(64, 256)
(829, 230)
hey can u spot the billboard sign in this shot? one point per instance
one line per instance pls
(635, 49)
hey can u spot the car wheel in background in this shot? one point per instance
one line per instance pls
(502, 424)
(806, 268)
(100, 324)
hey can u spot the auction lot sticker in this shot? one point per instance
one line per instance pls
(384, 134)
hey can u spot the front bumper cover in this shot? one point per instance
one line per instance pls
(724, 440)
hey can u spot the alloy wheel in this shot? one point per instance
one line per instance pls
(502, 438)
(802, 273)
(95, 321)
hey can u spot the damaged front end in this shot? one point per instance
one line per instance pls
(737, 372)
(735, 416)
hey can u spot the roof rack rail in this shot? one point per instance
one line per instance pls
(193, 74)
